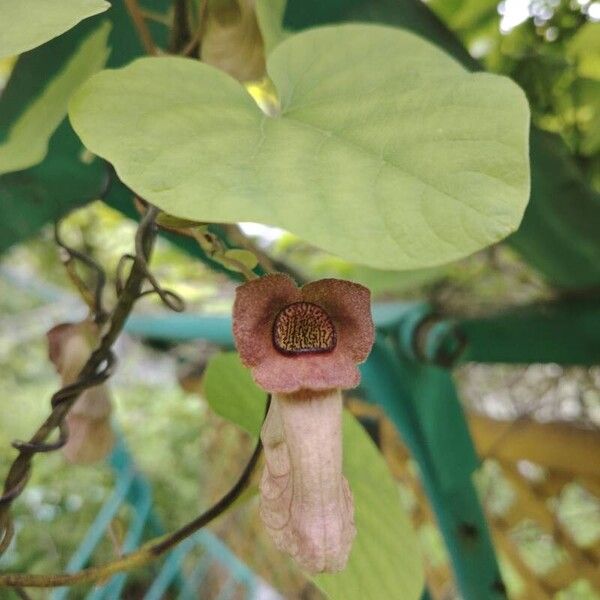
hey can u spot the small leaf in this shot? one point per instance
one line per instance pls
(29, 23)
(232, 394)
(26, 143)
(386, 152)
(385, 561)
(166, 220)
(247, 258)
(265, 95)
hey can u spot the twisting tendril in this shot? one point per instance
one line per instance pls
(69, 255)
(97, 369)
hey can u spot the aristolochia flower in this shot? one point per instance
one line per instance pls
(90, 434)
(303, 346)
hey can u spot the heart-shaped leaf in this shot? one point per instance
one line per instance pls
(386, 151)
(29, 23)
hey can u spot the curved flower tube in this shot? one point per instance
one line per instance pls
(303, 346)
(90, 433)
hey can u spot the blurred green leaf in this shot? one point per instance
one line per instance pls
(385, 560)
(232, 394)
(29, 23)
(584, 47)
(26, 142)
(397, 164)
(245, 257)
(588, 95)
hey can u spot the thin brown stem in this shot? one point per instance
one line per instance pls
(193, 46)
(97, 369)
(147, 553)
(141, 27)
(180, 28)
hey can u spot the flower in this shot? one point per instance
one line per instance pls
(303, 346)
(90, 433)
(231, 39)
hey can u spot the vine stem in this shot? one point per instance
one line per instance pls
(147, 553)
(140, 25)
(19, 472)
(64, 399)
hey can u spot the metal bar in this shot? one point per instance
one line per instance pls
(565, 333)
(190, 589)
(142, 508)
(446, 475)
(217, 329)
(169, 571)
(96, 531)
(239, 571)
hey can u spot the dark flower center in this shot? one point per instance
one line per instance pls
(303, 327)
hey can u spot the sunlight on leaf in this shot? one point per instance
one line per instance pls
(245, 257)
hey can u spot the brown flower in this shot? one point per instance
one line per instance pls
(303, 346)
(231, 39)
(90, 433)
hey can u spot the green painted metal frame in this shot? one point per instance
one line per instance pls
(132, 488)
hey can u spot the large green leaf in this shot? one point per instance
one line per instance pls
(555, 236)
(26, 142)
(29, 23)
(386, 152)
(385, 560)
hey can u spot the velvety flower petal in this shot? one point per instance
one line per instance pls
(348, 305)
(305, 501)
(90, 440)
(287, 374)
(90, 434)
(256, 305)
(70, 346)
(94, 403)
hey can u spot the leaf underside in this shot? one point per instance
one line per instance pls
(386, 152)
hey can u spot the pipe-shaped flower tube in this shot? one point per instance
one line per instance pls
(303, 346)
(90, 434)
